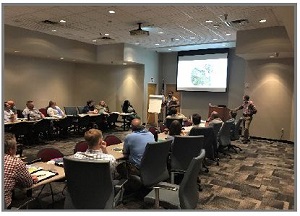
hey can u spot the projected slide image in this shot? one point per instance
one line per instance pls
(202, 72)
(201, 76)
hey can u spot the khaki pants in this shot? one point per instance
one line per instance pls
(246, 125)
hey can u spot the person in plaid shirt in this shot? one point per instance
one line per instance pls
(15, 171)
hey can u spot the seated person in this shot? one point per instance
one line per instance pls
(96, 148)
(9, 115)
(102, 108)
(12, 106)
(196, 122)
(128, 108)
(232, 117)
(174, 114)
(55, 111)
(15, 171)
(214, 118)
(134, 147)
(32, 113)
(90, 108)
(175, 129)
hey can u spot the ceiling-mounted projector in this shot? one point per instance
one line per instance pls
(139, 31)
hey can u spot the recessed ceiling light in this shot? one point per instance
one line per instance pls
(16, 51)
(271, 56)
(111, 12)
(157, 44)
(54, 30)
(106, 34)
(169, 49)
(124, 63)
(262, 20)
(137, 43)
(163, 40)
(192, 38)
(160, 32)
(62, 21)
(215, 39)
(177, 39)
(228, 34)
(94, 40)
(61, 58)
(208, 21)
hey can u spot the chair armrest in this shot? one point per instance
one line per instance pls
(120, 184)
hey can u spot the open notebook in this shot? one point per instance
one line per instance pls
(41, 173)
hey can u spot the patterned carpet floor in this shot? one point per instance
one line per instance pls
(261, 177)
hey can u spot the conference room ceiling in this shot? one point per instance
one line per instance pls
(172, 27)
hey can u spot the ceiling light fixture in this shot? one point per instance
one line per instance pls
(177, 39)
(157, 44)
(54, 30)
(169, 49)
(61, 58)
(62, 21)
(163, 40)
(160, 32)
(228, 34)
(262, 20)
(111, 12)
(106, 34)
(192, 38)
(16, 51)
(94, 40)
(137, 43)
(215, 39)
(208, 21)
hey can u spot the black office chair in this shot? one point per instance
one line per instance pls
(184, 149)
(170, 120)
(80, 109)
(153, 169)
(90, 185)
(23, 132)
(185, 195)
(224, 138)
(71, 111)
(210, 143)
(235, 134)
(63, 126)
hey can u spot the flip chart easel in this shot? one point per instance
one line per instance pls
(155, 102)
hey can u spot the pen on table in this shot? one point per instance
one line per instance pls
(40, 175)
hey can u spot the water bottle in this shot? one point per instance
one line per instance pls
(28, 117)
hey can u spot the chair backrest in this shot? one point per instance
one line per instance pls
(47, 154)
(210, 141)
(89, 183)
(43, 111)
(112, 140)
(170, 120)
(236, 132)
(71, 111)
(224, 133)
(216, 128)
(153, 167)
(113, 117)
(184, 149)
(80, 109)
(188, 189)
(84, 121)
(81, 146)
(64, 122)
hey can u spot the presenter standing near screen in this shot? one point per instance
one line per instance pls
(170, 101)
(249, 109)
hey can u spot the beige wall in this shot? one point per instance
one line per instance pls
(40, 80)
(271, 86)
(70, 84)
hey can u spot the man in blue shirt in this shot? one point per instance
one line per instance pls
(135, 143)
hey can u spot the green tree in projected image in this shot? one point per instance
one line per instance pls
(201, 77)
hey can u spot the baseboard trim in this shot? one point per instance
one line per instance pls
(273, 140)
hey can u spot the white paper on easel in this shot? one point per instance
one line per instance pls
(155, 102)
